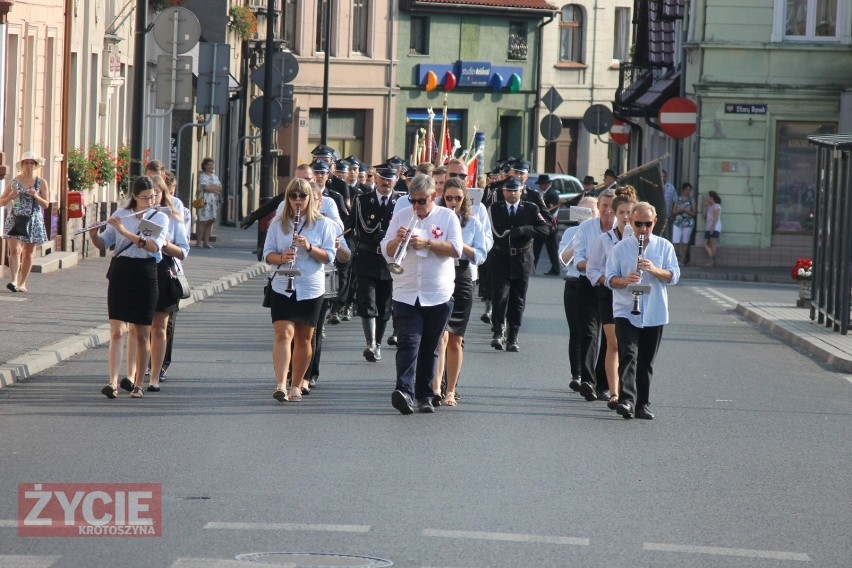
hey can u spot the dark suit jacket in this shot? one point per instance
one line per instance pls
(515, 233)
(369, 222)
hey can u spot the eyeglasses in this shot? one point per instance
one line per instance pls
(462, 176)
(451, 198)
(421, 201)
(146, 197)
(640, 224)
(294, 196)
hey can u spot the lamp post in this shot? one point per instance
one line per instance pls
(326, 65)
(268, 95)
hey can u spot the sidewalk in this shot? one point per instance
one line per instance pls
(65, 312)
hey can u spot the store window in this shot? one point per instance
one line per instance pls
(419, 44)
(812, 21)
(795, 164)
(345, 131)
(417, 132)
(571, 34)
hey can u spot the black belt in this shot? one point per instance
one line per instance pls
(375, 249)
(463, 264)
(571, 279)
(513, 251)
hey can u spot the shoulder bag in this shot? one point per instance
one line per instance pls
(179, 285)
(22, 224)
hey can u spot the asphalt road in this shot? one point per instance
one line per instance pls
(746, 465)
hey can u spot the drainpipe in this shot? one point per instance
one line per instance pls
(64, 126)
(4, 12)
(392, 17)
(539, 67)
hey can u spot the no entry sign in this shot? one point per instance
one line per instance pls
(620, 132)
(678, 117)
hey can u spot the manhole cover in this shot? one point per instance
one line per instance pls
(313, 560)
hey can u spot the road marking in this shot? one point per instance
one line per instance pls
(507, 537)
(7, 524)
(211, 563)
(9, 561)
(718, 297)
(848, 379)
(8, 299)
(719, 551)
(287, 527)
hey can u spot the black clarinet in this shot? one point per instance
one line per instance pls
(637, 293)
(291, 278)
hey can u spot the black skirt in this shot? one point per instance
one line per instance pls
(165, 302)
(297, 311)
(462, 301)
(604, 295)
(132, 292)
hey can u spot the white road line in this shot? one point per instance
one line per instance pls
(848, 379)
(8, 524)
(211, 563)
(724, 297)
(8, 299)
(8, 561)
(287, 527)
(507, 537)
(719, 551)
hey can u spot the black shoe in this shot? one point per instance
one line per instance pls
(643, 413)
(312, 382)
(513, 346)
(497, 343)
(437, 400)
(402, 402)
(109, 391)
(377, 353)
(604, 394)
(279, 395)
(625, 409)
(334, 319)
(588, 391)
(393, 340)
(125, 384)
(347, 315)
(425, 405)
(486, 318)
(574, 385)
(369, 354)
(305, 391)
(153, 388)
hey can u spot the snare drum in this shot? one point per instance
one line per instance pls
(331, 281)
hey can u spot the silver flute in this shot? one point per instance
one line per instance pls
(105, 223)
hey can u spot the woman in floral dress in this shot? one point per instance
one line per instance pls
(209, 189)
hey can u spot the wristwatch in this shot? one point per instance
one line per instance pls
(142, 242)
(429, 244)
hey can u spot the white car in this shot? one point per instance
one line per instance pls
(568, 187)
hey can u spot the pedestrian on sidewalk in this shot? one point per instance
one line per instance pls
(683, 212)
(300, 238)
(132, 275)
(712, 226)
(24, 227)
(209, 189)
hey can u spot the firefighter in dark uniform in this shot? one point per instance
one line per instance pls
(370, 217)
(489, 196)
(399, 166)
(338, 310)
(516, 223)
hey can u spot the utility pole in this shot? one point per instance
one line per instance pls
(325, 73)
(268, 96)
(137, 124)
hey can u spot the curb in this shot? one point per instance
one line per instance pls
(823, 354)
(42, 359)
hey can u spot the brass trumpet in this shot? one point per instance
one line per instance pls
(396, 266)
(638, 290)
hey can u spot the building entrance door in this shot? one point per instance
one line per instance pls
(560, 156)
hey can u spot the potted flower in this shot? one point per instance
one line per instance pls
(803, 272)
(102, 164)
(80, 174)
(122, 169)
(243, 21)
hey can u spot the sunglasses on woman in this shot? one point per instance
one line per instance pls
(452, 198)
(294, 196)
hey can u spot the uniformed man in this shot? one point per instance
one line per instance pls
(370, 217)
(551, 200)
(515, 224)
(589, 185)
(610, 179)
(328, 155)
(399, 166)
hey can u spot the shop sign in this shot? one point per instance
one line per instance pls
(474, 73)
(744, 108)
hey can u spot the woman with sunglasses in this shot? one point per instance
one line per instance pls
(306, 245)
(625, 198)
(474, 251)
(132, 274)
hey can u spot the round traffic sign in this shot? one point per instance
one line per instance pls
(620, 132)
(276, 112)
(550, 127)
(597, 119)
(678, 117)
(188, 30)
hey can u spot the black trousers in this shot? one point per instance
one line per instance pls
(419, 329)
(485, 279)
(637, 348)
(551, 246)
(170, 339)
(592, 341)
(572, 315)
(316, 340)
(508, 299)
(373, 298)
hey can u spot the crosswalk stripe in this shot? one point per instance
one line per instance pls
(11, 561)
(287, 527)
(210, 563)
(721, 551)
(507, 537)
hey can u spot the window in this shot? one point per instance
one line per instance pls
(795, 164)
(517, 41)
(419, 36)
(811, 20)
(288, 25)
(621, 45)
(323, 9)
(571, 34)
(360, 14)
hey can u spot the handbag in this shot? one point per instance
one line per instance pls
(21, 227)
(179, 284)
(198, 202)
(267, 292)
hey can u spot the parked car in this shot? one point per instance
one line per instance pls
(568, 187)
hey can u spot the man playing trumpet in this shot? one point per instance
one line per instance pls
(639, 335)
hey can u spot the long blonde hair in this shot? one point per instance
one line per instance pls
(309, 212)
(166, 197)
